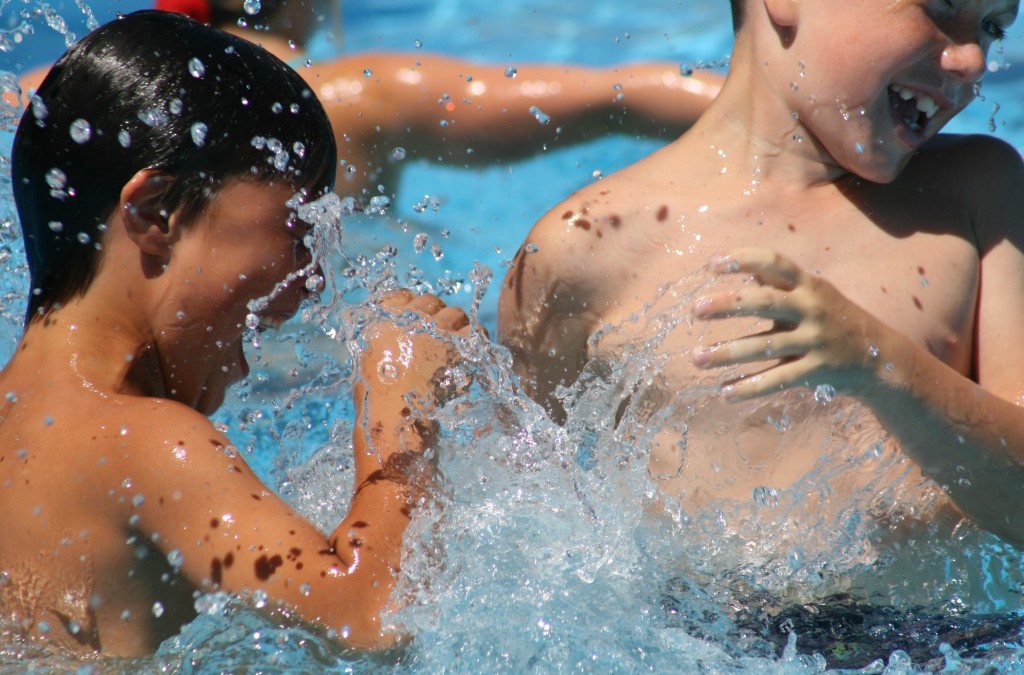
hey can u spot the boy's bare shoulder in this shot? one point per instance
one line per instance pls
(983, 174)
(163, 423)
(971, 162)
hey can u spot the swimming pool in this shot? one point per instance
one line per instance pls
(541, 554)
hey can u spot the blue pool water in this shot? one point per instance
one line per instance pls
(541, 553)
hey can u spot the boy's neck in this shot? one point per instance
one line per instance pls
(754, 135)
(109, 354)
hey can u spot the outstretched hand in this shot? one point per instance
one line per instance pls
(818, 336)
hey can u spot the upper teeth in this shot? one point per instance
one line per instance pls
(924, 102)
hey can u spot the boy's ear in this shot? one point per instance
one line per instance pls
(146, 220)
(783, 15)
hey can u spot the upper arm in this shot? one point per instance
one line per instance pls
(209, 513)
(997, 212)
(548, 309)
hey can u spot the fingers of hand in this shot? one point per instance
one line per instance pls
(773, 345)
(767, 266)
(397, 299)
(775, 379)
(451, 319)
(427, 304)
(764, 302)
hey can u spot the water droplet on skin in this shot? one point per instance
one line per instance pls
(138, 500)
(531, 248)
(825, 393)
(180, 315)
(175, 559)
(539, 115)
(889, 368)
(83, 238)
(48, 421)
(11, 397)
(80, 131)
(196, 68)
(158, 609)
(124, 138)
(387, 371)
(367, 73)
(305, 589)
(252, 7)
(126, 615)
(798, 138)
(511, 71)
(126, 483)
(252, 322)
(398, 154)
(859, 148)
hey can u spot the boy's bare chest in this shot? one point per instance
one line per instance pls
(922, 281)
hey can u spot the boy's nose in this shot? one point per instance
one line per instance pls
(966, 61)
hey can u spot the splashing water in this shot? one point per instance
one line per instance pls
(551, 548)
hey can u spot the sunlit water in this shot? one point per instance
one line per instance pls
(547, 548)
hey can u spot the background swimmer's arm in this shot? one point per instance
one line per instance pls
(544, 313)
(440, 108)
(966, 435)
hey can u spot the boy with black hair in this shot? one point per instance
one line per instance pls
(159, 173)
(889, 263)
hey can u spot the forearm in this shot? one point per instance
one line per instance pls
(968, 440)
(437, 105)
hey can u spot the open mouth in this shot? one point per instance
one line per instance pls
(913, 107)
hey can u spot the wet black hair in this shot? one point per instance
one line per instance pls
(737, 14)
(153, 90)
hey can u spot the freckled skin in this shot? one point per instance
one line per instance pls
(861, 225)
(265, 566)
(133, 461)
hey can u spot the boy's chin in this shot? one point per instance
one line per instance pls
(880, 172)
(211, 399)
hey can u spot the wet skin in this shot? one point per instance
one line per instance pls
(870, 231)
(122, 499)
